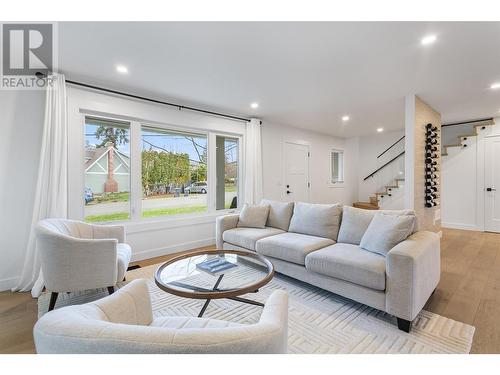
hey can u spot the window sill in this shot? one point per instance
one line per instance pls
(176, 221)
(336, 184)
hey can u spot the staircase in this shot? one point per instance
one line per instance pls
(388, 178)
(464, 139)
(377, 199)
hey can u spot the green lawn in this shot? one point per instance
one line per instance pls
(148, 213)
(111, 197)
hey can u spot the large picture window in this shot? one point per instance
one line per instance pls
(174, 172)
(107, 170)
(135, 171)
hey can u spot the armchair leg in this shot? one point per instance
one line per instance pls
(404, 325)
(111, 289)
(53, 299)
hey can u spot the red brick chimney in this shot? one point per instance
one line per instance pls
(111, 186)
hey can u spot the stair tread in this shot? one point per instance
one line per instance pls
(365, 205)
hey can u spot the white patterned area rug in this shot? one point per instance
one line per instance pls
(319, 321)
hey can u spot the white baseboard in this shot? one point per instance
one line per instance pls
(153, 253)
(8, 284)
(460, 226)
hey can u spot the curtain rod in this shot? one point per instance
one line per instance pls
(157, 101)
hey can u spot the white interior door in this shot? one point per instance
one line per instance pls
(492, 184)
(296, 172)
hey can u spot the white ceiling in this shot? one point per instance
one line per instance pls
(306, 75)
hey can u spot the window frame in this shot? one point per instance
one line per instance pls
(342, 168)
(135, 197)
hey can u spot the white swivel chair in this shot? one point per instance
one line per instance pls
(124, 323)
(79, 256)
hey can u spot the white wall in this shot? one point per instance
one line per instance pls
(21, 123)
(369, 148)
(462, 193)
(273, 138)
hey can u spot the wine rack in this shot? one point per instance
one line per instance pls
(432, 149)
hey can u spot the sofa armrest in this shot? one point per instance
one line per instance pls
(223, 223)
(413, 272)
(116, 232)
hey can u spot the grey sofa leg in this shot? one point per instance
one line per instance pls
(53, 299)
(111, 289)
(404, 325)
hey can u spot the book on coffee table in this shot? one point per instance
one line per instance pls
(216, 266)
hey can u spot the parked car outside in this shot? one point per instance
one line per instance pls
(88, 195)
(197, 187)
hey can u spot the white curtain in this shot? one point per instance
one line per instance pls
(51, 198)
(253, 162)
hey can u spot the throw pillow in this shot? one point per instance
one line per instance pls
(386, 231)
(280, 214)
(253, 216)
(355, 222)
(322, 220)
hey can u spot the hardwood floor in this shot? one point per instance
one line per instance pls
(469, 291)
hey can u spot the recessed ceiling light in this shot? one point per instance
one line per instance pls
(495, 86)
(121, 69)
(429, 39)
(345, 118)
(380, 130)
(254, 105)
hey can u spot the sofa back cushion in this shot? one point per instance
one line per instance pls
(280, 214)
(322, 220)
(355, 222)
(253, 216)
(386, 231)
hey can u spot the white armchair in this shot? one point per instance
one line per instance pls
(78, 256)
(124, 323)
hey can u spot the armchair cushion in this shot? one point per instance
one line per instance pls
(123, 255)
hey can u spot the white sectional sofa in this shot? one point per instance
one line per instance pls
(314, 244)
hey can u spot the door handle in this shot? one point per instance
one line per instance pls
(288, 191)
(491, 189)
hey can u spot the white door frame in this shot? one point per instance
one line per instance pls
(308, 145)
(482, 180)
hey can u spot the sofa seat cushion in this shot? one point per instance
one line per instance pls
(123, 255)
(247, 237)
(350, 263)
(292, 247)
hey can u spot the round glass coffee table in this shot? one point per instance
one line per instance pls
(212, 275)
